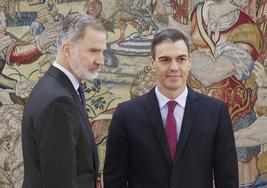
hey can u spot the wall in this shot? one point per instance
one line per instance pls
(229, 47)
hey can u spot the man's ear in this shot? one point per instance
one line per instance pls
(66, 49)
(152, 63)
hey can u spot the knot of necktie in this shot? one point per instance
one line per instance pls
(171, 106)
(82, 96)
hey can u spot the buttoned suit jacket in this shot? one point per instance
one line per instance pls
(137, 154)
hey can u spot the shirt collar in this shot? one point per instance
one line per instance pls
(181, 99)
(72, 78)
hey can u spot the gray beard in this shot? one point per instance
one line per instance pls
(80, 71)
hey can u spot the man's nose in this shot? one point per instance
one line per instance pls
(100, 59)
(174, 65)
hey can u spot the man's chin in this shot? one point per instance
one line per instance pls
(90, 76)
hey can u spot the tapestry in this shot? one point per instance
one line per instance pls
(228, 40)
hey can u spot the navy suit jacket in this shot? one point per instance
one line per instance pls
(137, 154)
(58, 144)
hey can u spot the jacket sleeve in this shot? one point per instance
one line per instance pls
(225, 158)
(57, 135)
(117, 152)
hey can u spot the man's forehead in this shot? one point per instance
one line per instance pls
(169, 48)
(172, 43)
(94, 44)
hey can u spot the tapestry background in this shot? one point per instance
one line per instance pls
(229, 49)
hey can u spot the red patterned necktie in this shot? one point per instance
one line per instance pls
(171, 129)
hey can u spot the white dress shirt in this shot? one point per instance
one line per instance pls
(72, 78)
(178, 111)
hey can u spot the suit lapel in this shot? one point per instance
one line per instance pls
(157, 123)
(89, 129)
(62, 78)
(191, 109)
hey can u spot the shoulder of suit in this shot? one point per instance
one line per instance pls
(49, 88)
(133, 103)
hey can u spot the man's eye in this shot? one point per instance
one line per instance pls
(182, 59)
(163, 60)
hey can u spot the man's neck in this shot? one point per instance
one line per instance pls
(63, 62)
(171, 94)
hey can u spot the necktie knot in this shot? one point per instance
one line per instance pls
(81, 93)
(171, 106)
(81, 88)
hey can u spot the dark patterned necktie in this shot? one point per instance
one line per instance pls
(82, 96)
(171, 129)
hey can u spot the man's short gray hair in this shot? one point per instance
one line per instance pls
(74, 26)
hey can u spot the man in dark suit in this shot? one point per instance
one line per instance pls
(171, 137)
(58, 144)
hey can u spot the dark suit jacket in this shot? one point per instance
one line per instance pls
(137, 154)
(58, 145)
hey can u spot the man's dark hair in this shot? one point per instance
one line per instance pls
(168, 35)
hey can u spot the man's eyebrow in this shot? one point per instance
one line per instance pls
(179, 56)
(163, 57)
(183, 55)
